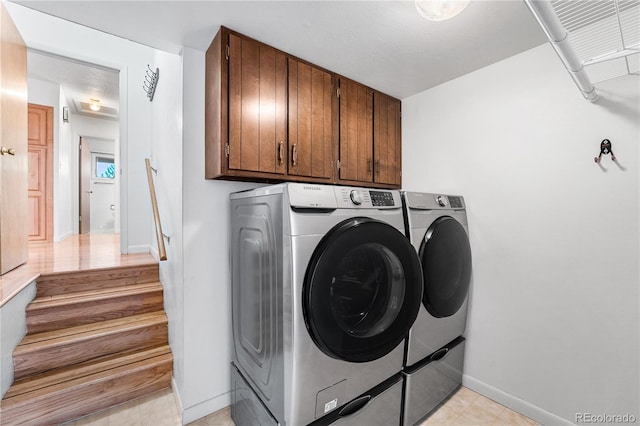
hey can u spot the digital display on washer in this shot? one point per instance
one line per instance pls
(455, 202)
(381, 198)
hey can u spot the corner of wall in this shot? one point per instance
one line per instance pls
(13, 328)
(205, 408)
(514, 403)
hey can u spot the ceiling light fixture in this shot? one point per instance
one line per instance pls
(94, 105)
(439, 10)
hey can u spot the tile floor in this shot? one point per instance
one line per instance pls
(464, 408)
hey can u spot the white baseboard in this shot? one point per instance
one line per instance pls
(205, 408)
(62, 237)
(139, 249)
(516, 404)
(176, 397)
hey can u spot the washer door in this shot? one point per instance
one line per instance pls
(446, 264)
(362, 290)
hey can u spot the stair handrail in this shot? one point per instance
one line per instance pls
(162, 252)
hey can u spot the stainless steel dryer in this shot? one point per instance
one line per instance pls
(325, 287)
(437, 228)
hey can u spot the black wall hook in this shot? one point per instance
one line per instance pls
(605, 148)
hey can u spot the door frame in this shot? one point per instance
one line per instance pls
(84, 178)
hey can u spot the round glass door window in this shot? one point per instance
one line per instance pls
(362, 290)
(446, 263)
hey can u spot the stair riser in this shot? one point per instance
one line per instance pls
(55, 284)
(46, 357)
(77, 401)
(56, 318)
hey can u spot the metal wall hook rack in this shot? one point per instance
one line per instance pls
(150, 82)
(605, 148)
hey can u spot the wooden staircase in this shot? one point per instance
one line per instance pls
(95, 339)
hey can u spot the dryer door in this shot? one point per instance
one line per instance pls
(446, 263)
(362, 290)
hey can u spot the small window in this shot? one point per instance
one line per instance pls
(104, 167)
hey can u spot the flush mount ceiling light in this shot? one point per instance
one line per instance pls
(439, 10)
(94, 105)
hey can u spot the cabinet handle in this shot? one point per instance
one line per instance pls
(376, 167)
(294, 155)
(9, 151)
(369, 165)
(281, 152)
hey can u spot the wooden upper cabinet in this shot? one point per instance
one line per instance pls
(387, 139)
(245, 109)
(257, 107)
(273, 117)
(310, 121)
(356, 132)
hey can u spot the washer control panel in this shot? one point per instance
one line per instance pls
(382, 198)
(366, 198)
(305, 195)
(355, 196)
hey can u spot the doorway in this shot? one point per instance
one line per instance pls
(85, 100)
(40, 166)
(97, 192)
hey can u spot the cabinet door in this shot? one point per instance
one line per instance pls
(387, 139)
(356, 131)
(310, 124)
(257, 107)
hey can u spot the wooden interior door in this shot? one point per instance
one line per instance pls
(257, 106)
(356, 131)
(387, 139)
(310, 121)
(13, 144)
(40, 186)
(85, 187)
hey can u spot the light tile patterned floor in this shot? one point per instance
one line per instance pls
(469, 408)
(464, 408)
(157, 409)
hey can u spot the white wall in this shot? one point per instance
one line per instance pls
(166, 158)
(50, 34)
(554, 320)
(63, 213)
(194, 214)
(13, 328)
(207, 297)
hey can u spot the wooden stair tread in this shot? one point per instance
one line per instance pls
(51, 313)
(74, 382)
(87, 330)
(93, 271)
(78, 397)
(88, 368)
(90, 295)
(69, 282)
(96, 338)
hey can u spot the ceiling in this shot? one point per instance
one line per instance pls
(384, 44)
(80, 81)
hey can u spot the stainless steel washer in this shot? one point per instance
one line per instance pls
(325, 287)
